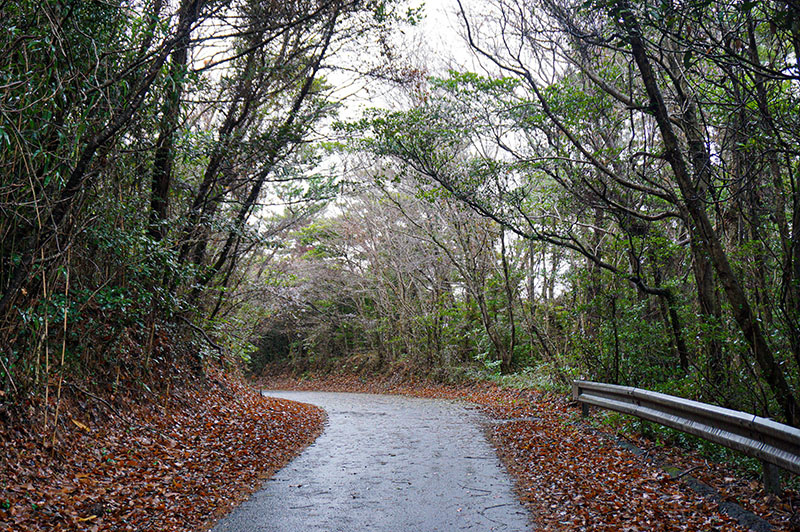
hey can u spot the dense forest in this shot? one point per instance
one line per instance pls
(152, 153)
(611, 192)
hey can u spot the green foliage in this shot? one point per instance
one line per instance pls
(141, 193)
(317, 237)
(487, 365)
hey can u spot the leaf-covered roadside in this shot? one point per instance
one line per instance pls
(175, 464)
(582, 481)
(575, 478)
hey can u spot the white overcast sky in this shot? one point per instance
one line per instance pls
(435, 45)
(441, 34)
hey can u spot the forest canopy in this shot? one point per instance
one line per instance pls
(613, 194)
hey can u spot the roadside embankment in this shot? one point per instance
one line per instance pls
(176, 461)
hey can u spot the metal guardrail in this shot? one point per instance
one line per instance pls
(773, 443)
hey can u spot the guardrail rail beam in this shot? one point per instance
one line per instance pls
(774, 444)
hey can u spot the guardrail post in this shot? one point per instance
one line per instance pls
(772, 477)
(576, 391)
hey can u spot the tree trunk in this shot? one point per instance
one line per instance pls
(507, 360)
(701, 229)
(162, 161)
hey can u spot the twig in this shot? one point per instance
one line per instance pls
(8, 374)
(63, 353)
(481, 512)
(474, 489)
(46, 352)
(680, 476)
(116, 412)
(100, 399)
(645, 452)
(201, 331)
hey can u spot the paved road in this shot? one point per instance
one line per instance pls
(386, 463)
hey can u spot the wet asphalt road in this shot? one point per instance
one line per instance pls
(386, 463)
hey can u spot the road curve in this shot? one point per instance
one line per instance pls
(386, 463)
